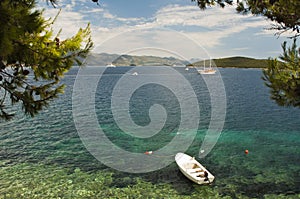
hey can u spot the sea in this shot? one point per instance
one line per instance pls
(63, 153)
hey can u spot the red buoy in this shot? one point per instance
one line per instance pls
(246, 151)
(148, 152)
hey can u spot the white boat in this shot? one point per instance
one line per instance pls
(111, 65)
(207, 71)
(135, 73)
(193, 170)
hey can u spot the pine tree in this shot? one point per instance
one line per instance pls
(32, 60)
(283, 76)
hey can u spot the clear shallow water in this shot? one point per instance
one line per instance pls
(253, 122)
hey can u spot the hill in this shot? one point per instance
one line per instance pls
(131, 60)
(236, 62)
(104, 59)
(101, 59)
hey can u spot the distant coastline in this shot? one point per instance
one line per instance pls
(234, 62)
(104, 59)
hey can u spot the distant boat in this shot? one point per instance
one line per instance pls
(186, 68)
(111, 65)
(193, 170)
(207, 71)
(135, 73)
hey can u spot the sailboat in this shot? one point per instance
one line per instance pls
(207, 71)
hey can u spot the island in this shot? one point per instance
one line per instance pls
(233, 62)
(104, 59)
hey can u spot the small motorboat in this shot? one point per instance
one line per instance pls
(193, 170)
(111, 65)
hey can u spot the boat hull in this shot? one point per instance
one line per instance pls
(207, 72)
(193, 170)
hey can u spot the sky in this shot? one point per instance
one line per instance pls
(165, 28)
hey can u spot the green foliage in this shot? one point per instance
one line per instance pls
(32, 60)
(54, 2)
(285, 13)
(236, 62)
(204, 3)
(241, 62)
(284, 78)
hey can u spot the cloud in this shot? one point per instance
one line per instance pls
(205, 28)
(183, 29)
(67, 21)
(158, 41)
(268, 30)
(214, 18)
(240, 49)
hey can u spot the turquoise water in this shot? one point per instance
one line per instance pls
(253, 122)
